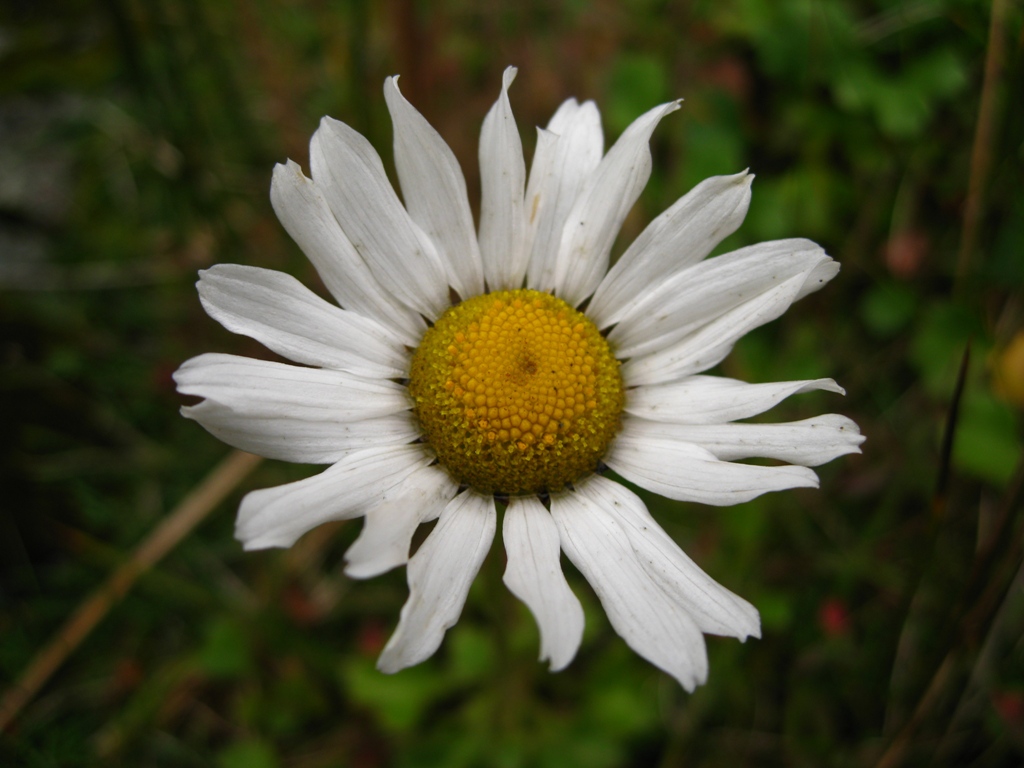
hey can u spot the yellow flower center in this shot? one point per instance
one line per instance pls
(516, 392)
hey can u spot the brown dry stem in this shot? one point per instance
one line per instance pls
(984, 131)
(202, 500)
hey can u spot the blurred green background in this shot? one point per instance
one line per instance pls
(137, 139)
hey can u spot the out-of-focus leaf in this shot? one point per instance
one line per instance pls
(745, 523)
(988, 444)
(776, 610)
(853, 85)
(624, 710)
(939, 74)
(225, 652)
(796, 203)
(938, 344)
(901, 111)
(398, 701)
(294, 700)
(637, 83)
(247, 754)
(888, 308)
(901, 101)
(712, 149)
(472, 653)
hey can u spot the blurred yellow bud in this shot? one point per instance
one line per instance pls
(1009, 371)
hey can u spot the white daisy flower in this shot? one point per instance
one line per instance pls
(460, 369)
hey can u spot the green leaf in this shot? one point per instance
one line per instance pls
(853, 86)
(471, 654)
(798, 202)
(901, 110)
(939, 74)
(888, 308)
(713, 148)
(987, 443)
(247, 754)
(776, 610)
(399, 701)
(225, 652)
(938, 344)
(637, 83)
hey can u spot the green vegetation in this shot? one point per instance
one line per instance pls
(137, 140)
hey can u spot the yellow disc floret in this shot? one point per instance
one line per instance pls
(517, 392)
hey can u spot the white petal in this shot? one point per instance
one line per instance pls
(288, 318)
(304, 212)
(387, 531)
(584, 122)
(599, 210)
(687, 472)
(709, 345)
(277, 517)
(293, 414)
(305, 439)
(534, 575)
(716, 610)
(567, 154)
(714, 399)
(676, 307)
(435, 192)
(349, 171)
(683, 235)
(288, 391)
(502, 182)
(650, 621)
(810, 442)
(439, 575)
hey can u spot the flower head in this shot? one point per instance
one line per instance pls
(460, 374)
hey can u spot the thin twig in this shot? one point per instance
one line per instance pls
(981, 150)
(187, 515)
(896, 752)
(986, 591)
(949, 437)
